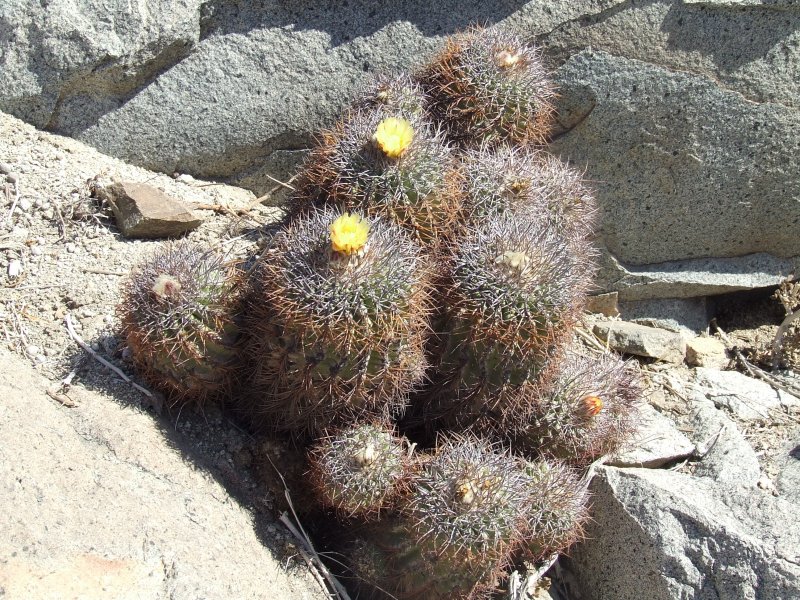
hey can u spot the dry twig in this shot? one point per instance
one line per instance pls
(303, 538)
(77, 339)
(752, 369)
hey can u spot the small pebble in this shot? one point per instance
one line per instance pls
(48, 214)
(14, 268)
(5, 168)
(33, 350)
(71, 247)
(12, 178)
(95, 346)
(36, 250)
(24, 205)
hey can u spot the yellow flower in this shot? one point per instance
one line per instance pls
(393, 136)
(349, 233)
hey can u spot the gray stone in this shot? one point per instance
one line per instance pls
(217, 88)
(706, 352)
(105, 506)
(723, 452)
(747, 398)
(678, 137)
(663, 535)
(656, 443)
(789, 477)
(650, 342)
(675, 314)
(690, 278)
(142, 211)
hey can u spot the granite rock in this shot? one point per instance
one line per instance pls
(747, 398)
(656, 443)
(641, 340)
(663, 535)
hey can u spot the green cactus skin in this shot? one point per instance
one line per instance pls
(177, 317)
(488, 86)
(558, 510)
(589, 410)
(332, 336)
(504, 178)
(361, 469)
(420, 189)
(399, 95)
(516, 289)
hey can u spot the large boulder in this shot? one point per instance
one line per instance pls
(99, 503)
(662, 535)
(683, 113)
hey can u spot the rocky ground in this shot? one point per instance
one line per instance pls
(62, 258)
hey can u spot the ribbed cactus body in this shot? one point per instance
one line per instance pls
(516, 288)
(177, 316)
(501, 178)
(335, 336)
(558, 509)
(398, 95)
(360, 469)
(588, 411)
(413, 183)
(489, 86)
(389, 562)
(466, 511)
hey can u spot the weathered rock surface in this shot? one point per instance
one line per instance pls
(143, 211)
(706, 352)
(724, 452)
(656, 443)
(747, 398)
(663, 535)
(641, 340)
(98, 504)
(789, 477)
(684, 114)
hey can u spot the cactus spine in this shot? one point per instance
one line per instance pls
(338, 322)
(516, 288)
(487, 85)
(177, 316)
(388, 163)
(588, 411)
(359, 469)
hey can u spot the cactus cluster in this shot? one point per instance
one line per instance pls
(422, 292)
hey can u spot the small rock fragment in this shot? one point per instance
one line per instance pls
(603, 304)
(706, 352)
(14, 269)
(650, 342)
(142, 211)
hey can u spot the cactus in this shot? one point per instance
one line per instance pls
(338, 321)
(360, 469)
(558, 509)
(510, 178)
(588, 411)
(399, 95)
(465, 513)
(516, 289)
(387, 163)
(487, 85)
(177, 318)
